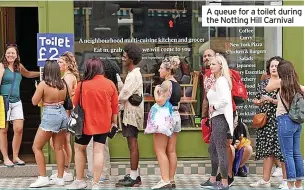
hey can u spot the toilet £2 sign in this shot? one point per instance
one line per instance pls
(50, 46)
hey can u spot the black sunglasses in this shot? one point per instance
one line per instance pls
(11, 45)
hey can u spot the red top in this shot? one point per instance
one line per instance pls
(100, 102)
(208, 74)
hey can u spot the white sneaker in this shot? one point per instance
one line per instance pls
(277, 172)
(41, 182)
(57, 181)
(77, 184)
(261, 183)
(283, 185)
(95, 186)
(162, 184)
(67, 176)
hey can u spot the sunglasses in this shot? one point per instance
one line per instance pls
(11, 45)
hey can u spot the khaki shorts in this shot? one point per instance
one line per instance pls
(15, 111)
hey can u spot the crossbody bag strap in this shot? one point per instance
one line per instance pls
(67, 93)
(12, 87)
(81, 97)
(284, 104)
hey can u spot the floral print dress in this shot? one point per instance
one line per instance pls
(267, 143)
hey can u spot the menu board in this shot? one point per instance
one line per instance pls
(247, 53)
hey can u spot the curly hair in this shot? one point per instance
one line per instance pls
(172, 63)
(276, 58)
(134, 52)
(16, 63)
(289, 81)
(70, 60)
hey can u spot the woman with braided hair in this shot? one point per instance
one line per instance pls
(69, 68)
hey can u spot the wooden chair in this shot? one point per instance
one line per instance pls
(190, 101)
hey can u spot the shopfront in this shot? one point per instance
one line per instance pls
(165, 28)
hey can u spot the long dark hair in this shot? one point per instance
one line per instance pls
(52, 76)
(93, 66)
(289, 81)
(17, 60)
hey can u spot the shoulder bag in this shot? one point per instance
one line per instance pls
(296, 111)
(68, 105)
(259, 120)
(77, 118)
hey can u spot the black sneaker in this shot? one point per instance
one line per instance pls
(128, 182)
(219, 186)
(208, 184)
(230, 181)
(241, 172)
(218, 177)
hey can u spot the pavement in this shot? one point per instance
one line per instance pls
(182, 182)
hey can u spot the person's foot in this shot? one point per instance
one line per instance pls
(219, 186)
(57, 181)
(18, 162)
(128, 182)
(77, 184)
(277, 172)
(283, 185)
(261, 183)
(95, 186)
(8, 163)
(173, 184)
(162, 185)
(241, 172)
(208, 184)
(218, 177)
(230, 181)
(67, 176)
(41, 182)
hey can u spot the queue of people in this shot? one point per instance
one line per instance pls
(277, 141)
(272, 137)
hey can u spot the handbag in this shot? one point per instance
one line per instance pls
(259, 120)
(296, 111)
(77, 118)
(135, 99)
(68, 105)
(206, 130)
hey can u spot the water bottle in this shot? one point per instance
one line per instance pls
(120, 86)
(120, 83)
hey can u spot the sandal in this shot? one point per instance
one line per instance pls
(173, 184)
(19, 163)
(9, 165)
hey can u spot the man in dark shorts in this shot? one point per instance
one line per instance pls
(133, 116)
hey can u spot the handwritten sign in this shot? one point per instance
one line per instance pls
(52, 45)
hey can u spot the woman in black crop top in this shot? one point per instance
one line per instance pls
(165, 146)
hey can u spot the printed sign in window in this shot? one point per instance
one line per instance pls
(52, 45)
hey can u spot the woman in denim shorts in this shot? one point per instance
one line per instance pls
(51, 92)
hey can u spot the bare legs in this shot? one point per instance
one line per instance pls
(18, 131)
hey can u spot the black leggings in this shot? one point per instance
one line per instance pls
(217, 147)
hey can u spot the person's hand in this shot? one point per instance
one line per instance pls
(211, 109)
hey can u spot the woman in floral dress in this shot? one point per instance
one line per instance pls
(267, 143)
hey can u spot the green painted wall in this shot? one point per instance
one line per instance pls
(293, 50)
(189, 145)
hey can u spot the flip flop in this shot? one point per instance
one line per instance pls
(19, 163)
(9, 165)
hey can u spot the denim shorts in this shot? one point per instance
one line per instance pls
(54, 118)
